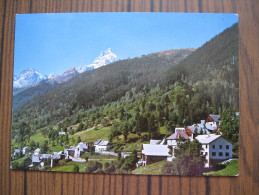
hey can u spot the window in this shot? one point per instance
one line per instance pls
(213, 153)
(220, 154)
(213, 146)
(227, 146)
(206, 146)
(227, 154)
(220, 146)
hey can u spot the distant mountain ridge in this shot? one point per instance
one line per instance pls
(31, 77)
(28, 77)
(105, 57)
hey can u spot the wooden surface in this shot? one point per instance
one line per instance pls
(21, 182)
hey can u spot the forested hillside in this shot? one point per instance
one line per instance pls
(100, 86)
(215, 55)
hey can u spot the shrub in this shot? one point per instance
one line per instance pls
(93, 167)
(64, 161)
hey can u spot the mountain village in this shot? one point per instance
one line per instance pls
(207, 132)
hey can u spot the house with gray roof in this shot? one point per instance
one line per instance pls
(214, 120)
(102, 145)
(17, 152)
(215, 147)
(152, 153)
(26, 150)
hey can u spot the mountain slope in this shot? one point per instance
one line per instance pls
(25, 95)
(107, 83)
(215, 54)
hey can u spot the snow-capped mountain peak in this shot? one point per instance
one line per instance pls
(27, 78)
(31, 77)
(105, 57)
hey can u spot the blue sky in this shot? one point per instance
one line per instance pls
(53, 43)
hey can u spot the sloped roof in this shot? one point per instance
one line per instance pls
(45, 156)
(82, 145)
(56, 155)
(155, 150)
(26, 148)
(206, 139)
(37, 150)
(104, 143)
(97, 141)
(210, 127)
(215, 117)
(153, 141)
(199, 127)
(178, 135)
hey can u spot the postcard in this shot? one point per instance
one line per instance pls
(126, 93)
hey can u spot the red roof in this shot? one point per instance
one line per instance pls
(178, 135)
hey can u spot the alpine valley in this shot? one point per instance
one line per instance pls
(128, 103)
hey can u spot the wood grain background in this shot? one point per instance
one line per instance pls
(22, 182)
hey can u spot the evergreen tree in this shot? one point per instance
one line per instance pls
(188, 160)
(230, 125)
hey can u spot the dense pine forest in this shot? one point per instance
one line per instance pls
(135, 99)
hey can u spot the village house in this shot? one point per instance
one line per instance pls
(26, 150)
(179, 136)
(152, 153)
(72, 151)
(77, 151)
(214, 120)
(17, 153)
(37, 151)
(202, 128)
(215, 147)
(62, 133)
(35, 160)
(102, 145)
(57, 155)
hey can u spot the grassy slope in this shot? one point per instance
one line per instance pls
(93, 135)
(19, 160)
(230, 170)
(38, 138)
(65, 168)
(152, 169)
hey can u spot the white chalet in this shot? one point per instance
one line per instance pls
(77, 151)
(37, 151)
(26, 150)
(214, 147)
(102, 145)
